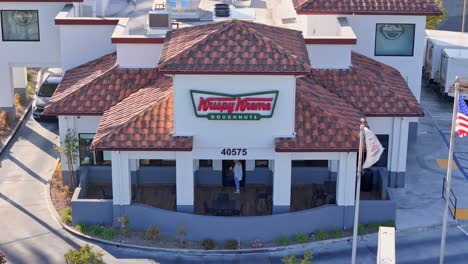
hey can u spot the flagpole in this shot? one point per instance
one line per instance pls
(449, 172)
(358, 191)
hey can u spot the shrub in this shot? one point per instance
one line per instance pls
(231, 244)
(124, 225)
(291, 259)
(360, 229)
(84, 255)
(30, 88)
(321, 235)
(4, 121)
(66, 215)
(96, 230)
(389, 223)
(108, 233)
(19, 100)
(257, 243)
(282, 241)
(208, 244)
(337, 233)
(81, 227)
(300, 238)
(181, 234)
(374, 227)
(152, 232)
(2, 258)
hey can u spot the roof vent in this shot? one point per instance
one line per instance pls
(222, 10)
(159, 22)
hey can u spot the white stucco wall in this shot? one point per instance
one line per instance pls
(138, 55)
(83, 43)
(236, 134)
(410, 67)
(43, 53)
(319, 56)
(82, 124)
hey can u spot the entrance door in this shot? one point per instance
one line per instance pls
(228, 178)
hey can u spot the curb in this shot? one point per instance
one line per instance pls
(15, 129)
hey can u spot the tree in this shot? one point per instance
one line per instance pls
(432, 22)
(69, 148)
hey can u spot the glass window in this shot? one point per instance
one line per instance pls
(88, 157)
(157, 162)
(20, 25)
(394, 39)
(310, 163)
(261, 164)
(205, 163)
(47, 89)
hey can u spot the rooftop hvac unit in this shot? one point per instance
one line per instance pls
(159, 19)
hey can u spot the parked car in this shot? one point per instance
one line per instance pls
(44, 93)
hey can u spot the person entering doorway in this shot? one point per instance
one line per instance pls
(238, 174)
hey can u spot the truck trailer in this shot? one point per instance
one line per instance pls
(454, 62)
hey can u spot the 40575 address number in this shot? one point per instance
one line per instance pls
(234, 152)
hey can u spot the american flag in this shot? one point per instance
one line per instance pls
(462, 118)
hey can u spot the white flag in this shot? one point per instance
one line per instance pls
(373, 148)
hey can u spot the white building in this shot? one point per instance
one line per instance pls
(152, 111)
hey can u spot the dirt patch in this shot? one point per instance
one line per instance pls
(60, 195)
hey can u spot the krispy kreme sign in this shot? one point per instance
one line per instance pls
(220, 106)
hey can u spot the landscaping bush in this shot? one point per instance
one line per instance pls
(152, 232)
(337, 233)
(85, 255)
(321, 235)
(4, 121)
(231, 244)
(208, 244)
(31, 88)
(291, 259)
(374, 227)
(66, 215)
(2, 258)
(96, 230)
(181, 234)
(300, 238)
(108, 233)
(124, 225)
(19, 100)
(389, 223)
(257, 243)
(282, 241)
(360, 229)
(81, 227)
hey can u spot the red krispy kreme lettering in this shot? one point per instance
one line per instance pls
(231, 105)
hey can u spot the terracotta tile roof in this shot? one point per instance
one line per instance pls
(324, 121)
(372, 87)
(368, 7)
(92, 88)
(234, 47)
(143, 121)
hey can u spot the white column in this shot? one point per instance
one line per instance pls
(282, 183)
(346, 179)
(196, 165)
(184, 181)
(403, 149)
(395, 145)
(121, 180)
(6, 89)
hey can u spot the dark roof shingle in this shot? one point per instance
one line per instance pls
(324, 121)
(234, 46)
(372, 87)
(368, 7)
(143, 121)
(94, 87)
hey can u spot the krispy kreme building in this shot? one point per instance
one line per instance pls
(158, 144)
